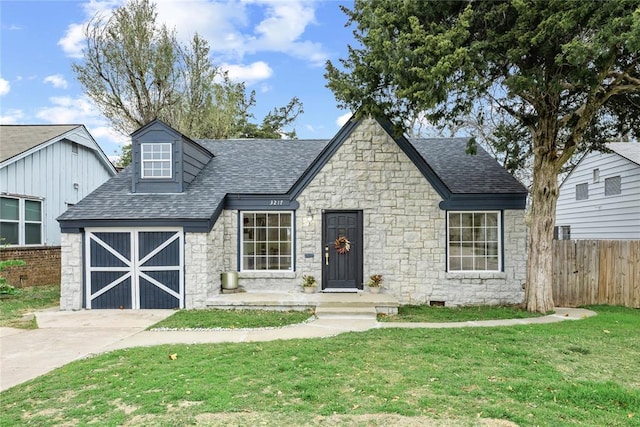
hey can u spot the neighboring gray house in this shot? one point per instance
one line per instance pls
(438, 224)
(600, 198)
(44, 169)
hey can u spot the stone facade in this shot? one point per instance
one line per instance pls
(71, 271)
(404, 230)
(203, 263)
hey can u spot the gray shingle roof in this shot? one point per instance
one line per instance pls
(465, 173)
(273, 167)
(239, 167)
(16, 139)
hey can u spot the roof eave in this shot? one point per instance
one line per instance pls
(482, 201)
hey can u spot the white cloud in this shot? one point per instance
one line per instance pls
(57, 80)
(12, 27)
(226, 25)
(5, 87)
(251, 73)
(80, 110)
(72, 42)
(283, 28)
(11, 117)
(341, 120)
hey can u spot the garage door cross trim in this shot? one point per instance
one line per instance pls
(134, 268)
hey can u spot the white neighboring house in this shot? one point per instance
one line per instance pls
(44, 169)
(600, 198)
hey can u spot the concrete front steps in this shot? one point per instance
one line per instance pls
(346, 312)
(355, 305)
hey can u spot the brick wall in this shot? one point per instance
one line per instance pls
(42, 268)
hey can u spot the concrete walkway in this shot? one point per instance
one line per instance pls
(65, 336)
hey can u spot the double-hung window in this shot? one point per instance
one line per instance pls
(156, 160)
(474, 241)
(20, 221)
(267, 241)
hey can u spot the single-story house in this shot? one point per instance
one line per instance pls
(600, 198)
(440, 225)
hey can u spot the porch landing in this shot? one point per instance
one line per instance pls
(325, 304)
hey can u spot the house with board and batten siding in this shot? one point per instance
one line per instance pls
(44, 169)
(600, 198)
(440, 225)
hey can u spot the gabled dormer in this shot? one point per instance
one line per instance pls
(164, 160)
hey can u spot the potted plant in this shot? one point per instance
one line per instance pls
(309, 284)
(375, 283)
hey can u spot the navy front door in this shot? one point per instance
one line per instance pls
(342, 248)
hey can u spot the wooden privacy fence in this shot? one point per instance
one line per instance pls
(596, 272)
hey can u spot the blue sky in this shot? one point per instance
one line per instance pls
(278, 47)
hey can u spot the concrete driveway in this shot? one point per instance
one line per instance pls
(64, 336)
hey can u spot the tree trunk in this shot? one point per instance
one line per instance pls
(544, 195)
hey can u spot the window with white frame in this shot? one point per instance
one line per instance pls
(20, 221)
(267, 241)
(474, 241)
(156, 160)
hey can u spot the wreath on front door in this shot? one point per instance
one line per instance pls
(342, 245)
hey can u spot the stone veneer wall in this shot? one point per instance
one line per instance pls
(71, 271)
(203, 259)
(404, 229)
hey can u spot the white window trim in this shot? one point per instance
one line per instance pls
(22, 220)
(500, 243)
(143, 161)
(241, 239)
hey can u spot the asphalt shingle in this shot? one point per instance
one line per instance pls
(466, 173)
(273, 167)
(239, 167)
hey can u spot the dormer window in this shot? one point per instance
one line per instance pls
(156, 160)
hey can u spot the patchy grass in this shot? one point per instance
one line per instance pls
(425, 313)
(13, 308)
(231, 319)
(581, 372)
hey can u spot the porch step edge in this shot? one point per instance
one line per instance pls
(323, 312)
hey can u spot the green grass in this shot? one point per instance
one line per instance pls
(29, 299)
(231, 319)
(581, 372)
(425, 313)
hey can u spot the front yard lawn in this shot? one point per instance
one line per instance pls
(27, 300)
(581, 372)
(231, 319)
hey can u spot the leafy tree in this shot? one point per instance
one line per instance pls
(135, 71)
(567, 72)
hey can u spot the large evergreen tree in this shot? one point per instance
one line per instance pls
(566, 71)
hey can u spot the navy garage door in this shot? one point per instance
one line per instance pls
(134, 268)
